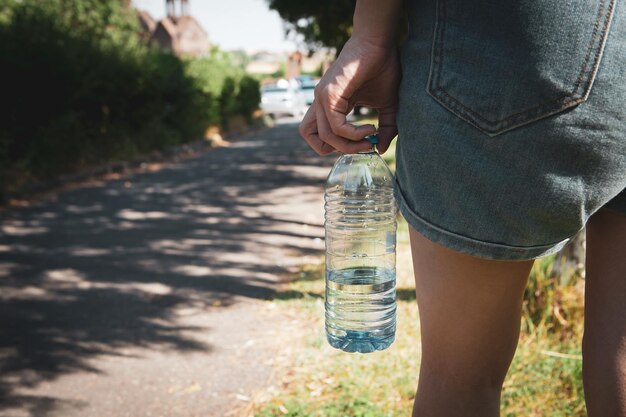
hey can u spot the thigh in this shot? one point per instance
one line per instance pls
(604, 341)
(605, 283)
(470, 310)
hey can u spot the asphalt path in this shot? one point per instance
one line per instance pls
(147, 295)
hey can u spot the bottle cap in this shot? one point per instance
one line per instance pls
(373, 139)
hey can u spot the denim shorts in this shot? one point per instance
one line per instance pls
(512, 122)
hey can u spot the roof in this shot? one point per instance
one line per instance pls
(186, 23)
(182, 35)
(148, 24)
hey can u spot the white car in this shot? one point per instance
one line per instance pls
(308, 90)
(282, 98)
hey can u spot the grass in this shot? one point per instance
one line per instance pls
(545, 378)
(322, 381)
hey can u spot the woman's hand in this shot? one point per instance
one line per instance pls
(366, 73)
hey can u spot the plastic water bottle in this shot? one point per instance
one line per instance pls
(360, 253)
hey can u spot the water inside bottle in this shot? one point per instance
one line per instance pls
(360, 308)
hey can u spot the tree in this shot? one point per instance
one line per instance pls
(320, 22)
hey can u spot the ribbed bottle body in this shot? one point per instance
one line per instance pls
(360, 254)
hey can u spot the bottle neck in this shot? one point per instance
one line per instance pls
(371, 150)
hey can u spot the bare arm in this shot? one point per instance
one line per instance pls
(376, 21)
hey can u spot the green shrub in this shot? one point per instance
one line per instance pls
(228, 101)
(212, 70)
(219, 76)
(249, 97)
(80, 88)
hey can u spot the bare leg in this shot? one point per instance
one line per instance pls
(604, 341)
(470, 310)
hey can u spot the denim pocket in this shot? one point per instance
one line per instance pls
(499, 65)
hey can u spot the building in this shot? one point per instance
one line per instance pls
(178, 32)
(265, 63)
(147, 24)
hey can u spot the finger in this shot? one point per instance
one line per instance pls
(387, 129)
(308, 131)
(336, 107)
(341, 144)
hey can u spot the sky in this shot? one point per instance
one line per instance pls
(233, 24)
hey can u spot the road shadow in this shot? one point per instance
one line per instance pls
(103, 268)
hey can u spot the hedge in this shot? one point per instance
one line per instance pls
(79, 87)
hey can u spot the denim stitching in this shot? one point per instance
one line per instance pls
(520, 115)
(442, 33)
(538, 108)
(590, 48)
(436, 64)
(599, 49)
(525, 116)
